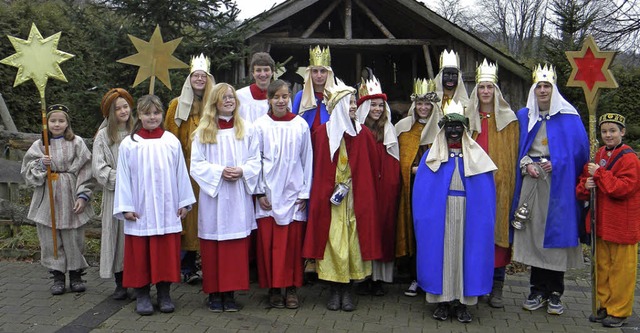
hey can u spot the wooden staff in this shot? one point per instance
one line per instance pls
(52, 209)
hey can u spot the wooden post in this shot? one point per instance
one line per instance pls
(320, 18)
(347, 20)
(6, 117)
(427, 60)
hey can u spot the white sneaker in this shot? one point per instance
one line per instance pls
(412, 291)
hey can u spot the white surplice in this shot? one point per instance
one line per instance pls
(251, 109)
(226, 207)
(152, 180)
(287, 162)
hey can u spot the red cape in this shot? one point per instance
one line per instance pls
(388, 196)
(363, 162)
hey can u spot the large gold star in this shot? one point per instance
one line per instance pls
(38, 60)
(154, 58)
(590, 69)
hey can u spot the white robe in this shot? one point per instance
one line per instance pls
(287, 162)
(251, 109)
(152, 180)
(226, 208)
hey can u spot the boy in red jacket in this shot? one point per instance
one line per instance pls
(615, 178)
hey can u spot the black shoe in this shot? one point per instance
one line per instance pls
(275, 298)
(164, 297)
(120, 292)
(229, 302)
(612, 321)
(599, 316)
(377, 289)
(334, 297)
(463, 314)
(442, 311)
(76, 283)
(215, 303)
(346, 299)
(143, 301)
(58, 286)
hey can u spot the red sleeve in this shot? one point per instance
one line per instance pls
(581, 192)
(622, 180)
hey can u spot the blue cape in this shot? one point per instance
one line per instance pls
(310, 115)
(569, 151)
(430, 192)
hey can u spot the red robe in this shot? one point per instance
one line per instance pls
(618, 196)
(363, 163)
(388, 197)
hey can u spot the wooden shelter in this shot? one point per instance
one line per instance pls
(399, 39)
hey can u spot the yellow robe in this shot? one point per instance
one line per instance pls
(189, 238)
(505, 157)
(409, 143)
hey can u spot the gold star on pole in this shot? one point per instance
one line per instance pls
(590, 69)
(154, 58)
(37, 59)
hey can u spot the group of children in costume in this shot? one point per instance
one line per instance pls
(327, 176)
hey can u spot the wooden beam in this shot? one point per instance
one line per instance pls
(320, 19)
(469, 39)
(285, 10)
(427, 59)
(348, 42)
(347, 20)
(374, 19)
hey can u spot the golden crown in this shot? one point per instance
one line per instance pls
(546, 73)
(319, 57)
(449, 59)
(200, 63)
(333, 94)
(370, 87)
(423, 86)
(612, 118)
(487, 72)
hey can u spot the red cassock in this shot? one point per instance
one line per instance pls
(363, 162)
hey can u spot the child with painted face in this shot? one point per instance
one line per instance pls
(70, 162)
(454, 215)
(615, 176)
(152, 195)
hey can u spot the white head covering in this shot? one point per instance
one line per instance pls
(429, 130)
(390, 138)
(502, 110)
(308, 100)
(558, 105)
(476, 160)
(185, 101)
(340, 123)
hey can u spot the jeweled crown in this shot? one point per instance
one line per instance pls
(370, 87)
(612, 118)
(319, 57)
(546, 73)
(449, 59)
(200, 63)
(487, 72)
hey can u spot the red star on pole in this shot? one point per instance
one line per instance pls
(590, 69)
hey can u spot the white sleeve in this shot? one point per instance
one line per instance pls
(207, 175)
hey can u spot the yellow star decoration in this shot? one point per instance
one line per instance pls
(38, 60)
(154, 58)
(590, 69)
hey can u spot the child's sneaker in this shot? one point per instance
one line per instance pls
(612, 321)
(555, 306)
(534, 302)
(412, 291)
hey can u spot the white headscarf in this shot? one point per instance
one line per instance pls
(340, 123)
(185, 101)
(502, 110)
(558, 104)
(308, 101)
(390, 138)
(476, 160)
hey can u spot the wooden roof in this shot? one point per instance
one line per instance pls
(368, 24)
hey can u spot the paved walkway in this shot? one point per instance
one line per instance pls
(27, 306)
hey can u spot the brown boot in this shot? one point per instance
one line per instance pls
(291, 301)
